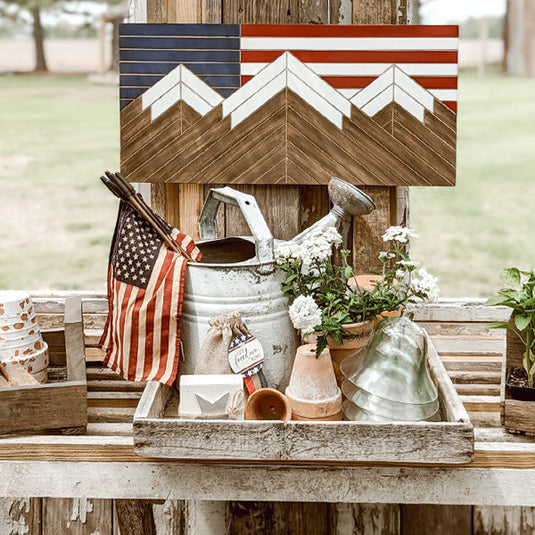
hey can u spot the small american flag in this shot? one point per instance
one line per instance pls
(145, 291)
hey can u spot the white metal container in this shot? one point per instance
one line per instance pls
(238, 274)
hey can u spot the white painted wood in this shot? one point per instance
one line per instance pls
(386, 79)
(151, 95)
(362, 69)
(253, 103)
(409, 104)
(412, 88)
(315, 100)
(163, 103)
(349, 43)
(349, 93)
(444, 94)
(199, 86)
(201, 481)
(379, 102)
(269, 72)
(208, 518)
(198, 103)
(325, 90)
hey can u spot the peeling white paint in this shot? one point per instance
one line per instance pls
(80, 508)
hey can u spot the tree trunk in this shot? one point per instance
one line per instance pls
(38, 39)
(519, 38)
(114, 64)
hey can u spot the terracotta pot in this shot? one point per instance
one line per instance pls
(352, 344)
(368, 282)
(313, 392)
(268, 404)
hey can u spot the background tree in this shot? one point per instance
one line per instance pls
(519, 38)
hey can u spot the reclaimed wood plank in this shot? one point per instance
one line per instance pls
(77, 516)
(365, 519)
(443, 519)
(20, 516)
(135, 517)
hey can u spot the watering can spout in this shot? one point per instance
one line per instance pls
(347, 200)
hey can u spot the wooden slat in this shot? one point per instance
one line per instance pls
(443, 519)
(20, 516)
(365, 519)
(77, 516)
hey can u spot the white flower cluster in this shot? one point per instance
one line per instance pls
(408, 264)
(318, 246)
(425, 283)
(399, 234)
(305, 314)
(385, 256)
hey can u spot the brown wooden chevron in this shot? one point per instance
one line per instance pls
(288, 141)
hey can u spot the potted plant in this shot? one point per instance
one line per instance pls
(321, 300)
(519, 296)
(339, 313)
(401, 285)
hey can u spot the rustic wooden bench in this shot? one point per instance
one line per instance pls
(79, 476)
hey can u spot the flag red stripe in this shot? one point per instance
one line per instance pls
(121, 333)
(353, 56)
(359, 82)
(166, 312)
(304, 30)
(134, 336)
(151, 312)
(452, 105)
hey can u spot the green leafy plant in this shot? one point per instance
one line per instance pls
(519, 296)
(322, 297)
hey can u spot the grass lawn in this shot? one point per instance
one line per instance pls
(487, 222)
(59, 133)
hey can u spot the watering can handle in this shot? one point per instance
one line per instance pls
(250, 210)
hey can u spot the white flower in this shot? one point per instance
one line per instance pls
(426, 285)
(305, 314)
(384, 256)
(318, 246)
(408, 263)
(399, 234)
(287, 251)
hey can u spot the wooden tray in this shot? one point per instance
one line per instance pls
(61, 403)
(516, 416)
(158, 432)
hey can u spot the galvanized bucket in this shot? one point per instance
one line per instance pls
(238, 274)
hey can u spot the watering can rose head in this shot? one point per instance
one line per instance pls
(323, 298)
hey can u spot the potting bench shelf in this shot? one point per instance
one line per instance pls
(103, 464)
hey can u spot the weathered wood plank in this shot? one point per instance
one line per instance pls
(20, 516)
(498, 521)
(77, 516)
(365, 519)
(135, 517)
(443, 519)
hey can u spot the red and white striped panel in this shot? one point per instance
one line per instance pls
(351, 57)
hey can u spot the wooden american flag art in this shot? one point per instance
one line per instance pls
(288, 104)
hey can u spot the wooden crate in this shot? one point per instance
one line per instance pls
(158, 432)
(517, 416)
(61, 403)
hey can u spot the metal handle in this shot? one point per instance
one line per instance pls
(251, 212)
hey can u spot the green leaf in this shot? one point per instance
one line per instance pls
(499, 325)
(522, 322)
(496, 300)
(511, 276)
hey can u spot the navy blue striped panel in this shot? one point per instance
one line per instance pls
(150, 51)
(180, 56)
(164, 68)
(223, 30)
(179, 43)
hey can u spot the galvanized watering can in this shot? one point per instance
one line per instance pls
(239, 274)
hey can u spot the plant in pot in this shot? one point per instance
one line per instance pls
(322, 301)
(401, 285)
(519, 296)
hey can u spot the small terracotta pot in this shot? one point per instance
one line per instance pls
(368, 282)
(268, 404)
(361, 333)
(313, 392)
